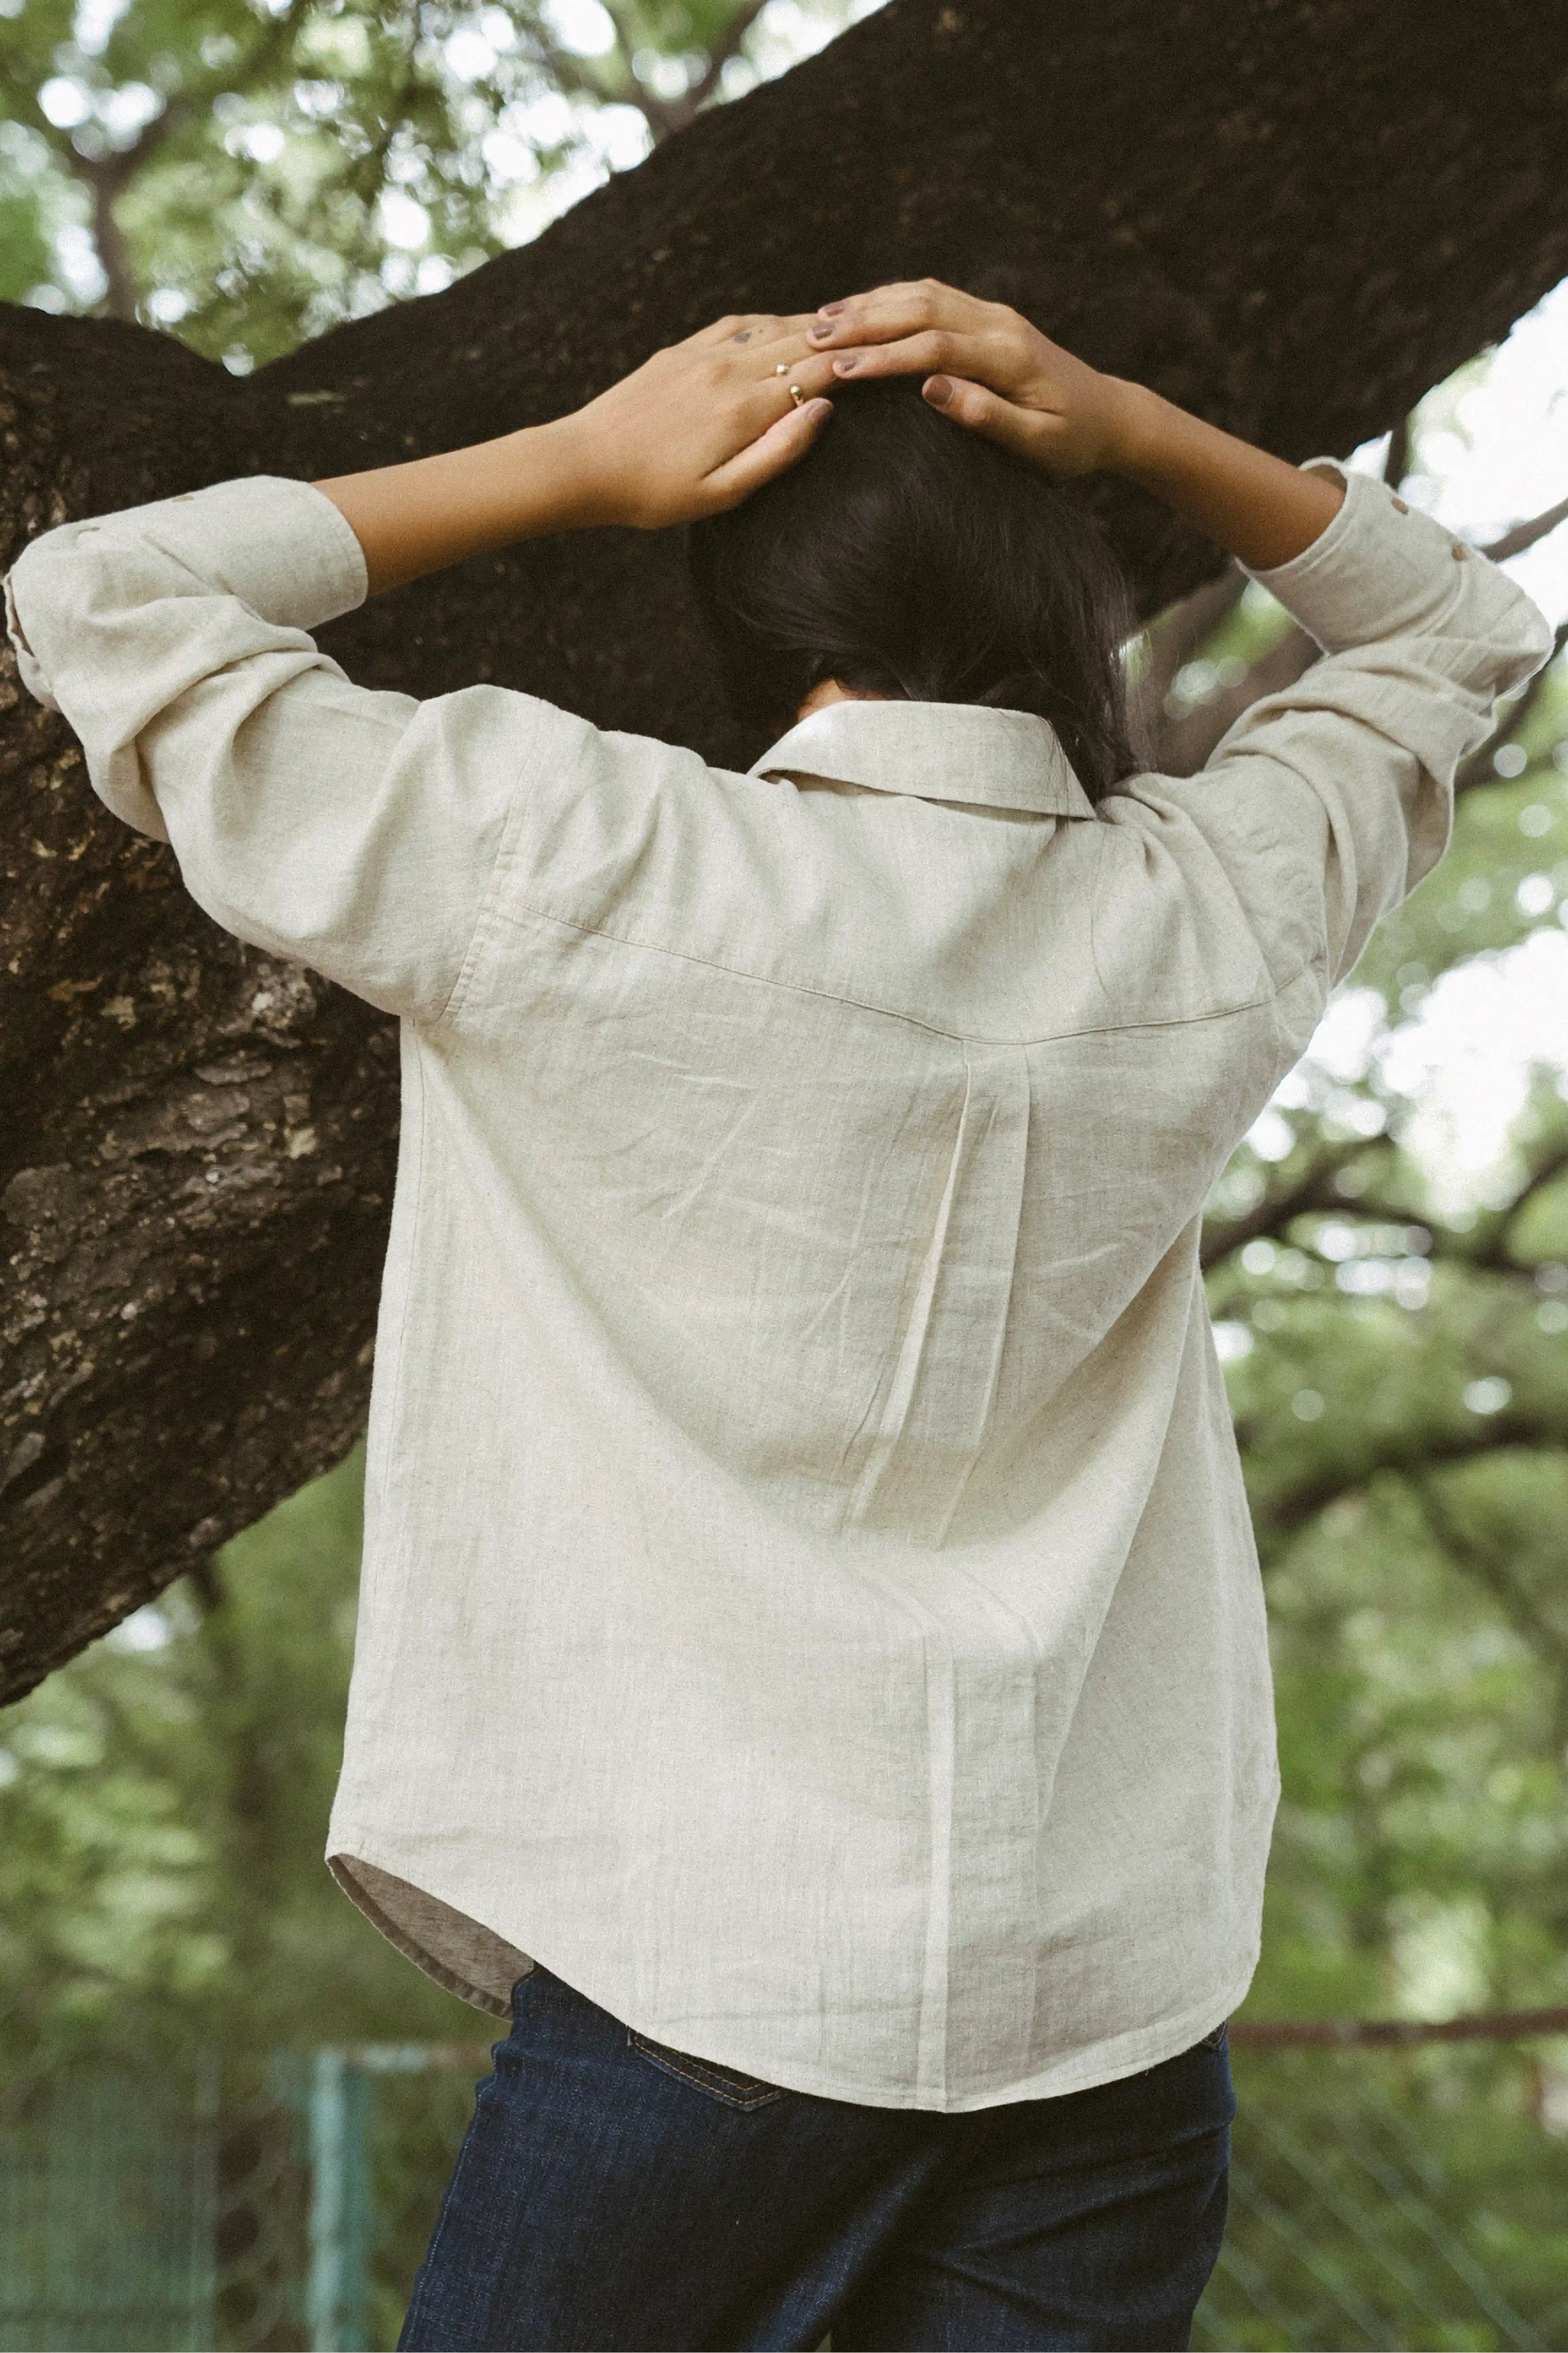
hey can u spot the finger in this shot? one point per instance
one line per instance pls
(812, 372)
(1023, 431)
(878, 318)
(779, 447)
(886, 313)
(807, 372)
(914, 355)
(921, 298)
(795, 324)
(769, 354)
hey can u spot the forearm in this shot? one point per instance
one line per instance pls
(1260, 508)
(419, 517)
(696, 427)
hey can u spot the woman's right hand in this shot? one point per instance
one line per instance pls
(993, 371)
(987, 367)
(698, 428)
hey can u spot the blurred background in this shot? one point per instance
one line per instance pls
(227, 2108)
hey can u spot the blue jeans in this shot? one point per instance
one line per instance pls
(612, 2193)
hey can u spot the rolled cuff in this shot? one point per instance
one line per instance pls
(1382, 569)
(281, 548)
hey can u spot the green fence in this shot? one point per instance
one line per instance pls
(107, 2217)
(1409, 2198)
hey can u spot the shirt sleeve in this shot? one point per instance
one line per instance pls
(354, 830)
(1327, 803)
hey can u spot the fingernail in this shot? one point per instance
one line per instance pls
(818, 408)
(938, 390)
(819, 334)
(845, 366)
(828, 310)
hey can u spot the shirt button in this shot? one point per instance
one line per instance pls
(1399, 506)
(1458, 552)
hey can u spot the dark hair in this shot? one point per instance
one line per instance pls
(906, 555)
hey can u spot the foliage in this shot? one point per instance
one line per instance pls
(1398, 1373)
(251, 172)
(1394, 1330)
(163, 1817)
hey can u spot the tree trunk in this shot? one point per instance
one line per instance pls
(1293, 216)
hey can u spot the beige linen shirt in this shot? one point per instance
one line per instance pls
(809, 1600)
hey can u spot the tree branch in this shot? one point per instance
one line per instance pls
(1479, 769)
(1409, 1453)
(659, 113)
(111, 172)
(577, 75)
(1396, 457)
(1492, 1251)
(113, 254)
(1313, 1190)
(1525, 534)
(1542, 1632)
(1187, 743)
(106, 176)
(727, 46)
(1177, 635)
(664, 116)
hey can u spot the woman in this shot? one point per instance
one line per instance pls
(811, 1659)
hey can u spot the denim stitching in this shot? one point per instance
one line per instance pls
(702, 2076)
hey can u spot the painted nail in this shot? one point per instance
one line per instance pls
(939, 390)
(845, 366)
(828, 310)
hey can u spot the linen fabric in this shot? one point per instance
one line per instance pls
(614, 2193)
(808, 1603)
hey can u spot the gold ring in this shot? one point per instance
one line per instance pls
(796, 395)
(783, 368)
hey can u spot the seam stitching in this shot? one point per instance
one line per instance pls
(505, 852)
(705, 2077)
(887, 1012)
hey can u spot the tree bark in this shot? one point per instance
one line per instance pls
(1293, 216)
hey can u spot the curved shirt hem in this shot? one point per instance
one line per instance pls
(1131, 2053)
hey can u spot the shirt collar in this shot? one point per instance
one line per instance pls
(940, 750)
